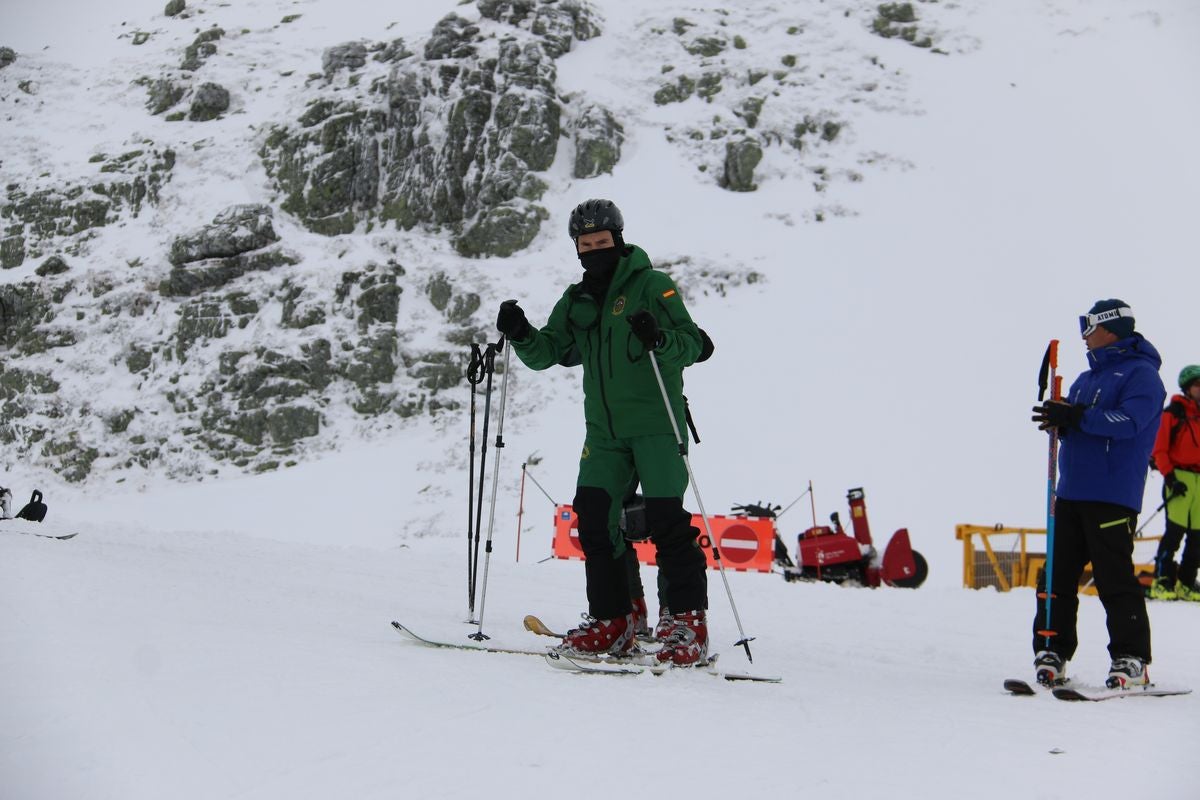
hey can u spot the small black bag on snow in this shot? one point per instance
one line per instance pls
(35, 509)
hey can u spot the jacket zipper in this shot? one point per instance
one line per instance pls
(600, 374)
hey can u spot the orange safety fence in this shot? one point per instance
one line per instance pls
(747, 544)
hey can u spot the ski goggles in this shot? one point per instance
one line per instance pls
(1089, 322)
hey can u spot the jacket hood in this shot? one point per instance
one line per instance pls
(1186, 401)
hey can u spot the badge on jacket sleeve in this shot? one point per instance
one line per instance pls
(618, 306)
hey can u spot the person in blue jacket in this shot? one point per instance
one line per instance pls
(1107, 425)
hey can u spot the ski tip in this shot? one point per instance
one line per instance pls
(1018, 687)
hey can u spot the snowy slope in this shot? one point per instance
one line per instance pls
(230, 639)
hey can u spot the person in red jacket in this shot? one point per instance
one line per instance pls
(1176, 455)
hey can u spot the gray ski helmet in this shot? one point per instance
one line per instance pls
(591, 216)
(1189, 375)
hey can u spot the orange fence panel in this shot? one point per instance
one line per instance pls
(746, 543)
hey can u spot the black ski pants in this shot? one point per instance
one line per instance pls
(1189, 564)
(1101, 533)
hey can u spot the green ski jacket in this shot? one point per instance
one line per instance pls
(621, 397)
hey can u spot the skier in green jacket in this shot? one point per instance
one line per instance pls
(610, 321)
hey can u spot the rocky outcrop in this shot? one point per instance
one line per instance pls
(163, 93)
(7, 56)
(453, 140)
(236, 230)
(210, 101)
(349, 56)
(741, 157)
(54, 265)
(213, 273)
(231, 351)
(598, 140)
(203, 47)
(34, 222)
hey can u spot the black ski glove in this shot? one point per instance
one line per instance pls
(1174, 486)
(511, 321)
(645, 328)
(1057, 414)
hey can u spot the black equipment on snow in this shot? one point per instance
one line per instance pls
(482, 365)
(35, 509)
(489, 362)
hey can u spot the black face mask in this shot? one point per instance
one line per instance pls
(600, 264)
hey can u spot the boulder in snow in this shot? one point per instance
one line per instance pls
(236, 230)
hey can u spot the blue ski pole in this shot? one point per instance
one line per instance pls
(1049, 376)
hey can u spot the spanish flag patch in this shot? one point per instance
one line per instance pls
(669, 293)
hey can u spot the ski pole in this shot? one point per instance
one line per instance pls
(1049, 371)
(474, 378)
(1138, 533)
(520, 512)
(744, 642)
(489, 368)
(479, 635)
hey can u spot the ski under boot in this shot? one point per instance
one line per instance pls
(1127, 672)
(1049, 668)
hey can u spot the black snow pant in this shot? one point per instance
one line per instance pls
(1101, 533)
(1189, 564)
(607, 469)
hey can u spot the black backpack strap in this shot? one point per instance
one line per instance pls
(1176, 409)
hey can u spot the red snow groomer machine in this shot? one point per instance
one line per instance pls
(828, 553)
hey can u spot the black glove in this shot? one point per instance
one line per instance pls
(645, 328)
(1057, 414)
(511, 321)
(1173, 486)
(706, 347)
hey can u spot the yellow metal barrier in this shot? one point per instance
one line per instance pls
(999, 556)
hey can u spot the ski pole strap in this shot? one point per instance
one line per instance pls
(687, 415)
(475, 366)
(1049, 366)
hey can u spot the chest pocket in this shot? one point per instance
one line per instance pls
(584, 314)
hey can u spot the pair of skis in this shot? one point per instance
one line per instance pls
(1080, 692)
(39, 529)
(581, 664)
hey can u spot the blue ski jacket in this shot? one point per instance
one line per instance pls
(1107, 456)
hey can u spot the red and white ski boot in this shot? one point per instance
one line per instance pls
(602, 637)
(687, 643)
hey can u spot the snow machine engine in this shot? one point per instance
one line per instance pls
(828, 553)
